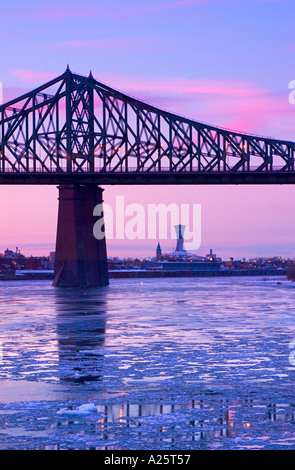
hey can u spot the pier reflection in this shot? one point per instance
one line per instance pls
(81, 323)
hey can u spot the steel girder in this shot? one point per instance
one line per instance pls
(75, 128)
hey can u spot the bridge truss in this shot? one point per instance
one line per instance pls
(76, 129)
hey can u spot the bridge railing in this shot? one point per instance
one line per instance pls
(121, 169)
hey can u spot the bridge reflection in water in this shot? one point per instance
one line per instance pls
(81, 326)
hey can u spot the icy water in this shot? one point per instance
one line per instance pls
(201, 363)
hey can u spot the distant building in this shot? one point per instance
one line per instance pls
(181, 266)
(179, 233)
(9, 254)
(158, 252)
(211, 256)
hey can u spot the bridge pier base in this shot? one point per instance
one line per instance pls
(80, 259)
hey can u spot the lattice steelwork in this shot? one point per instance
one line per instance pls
(74, 128)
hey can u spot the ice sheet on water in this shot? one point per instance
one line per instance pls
(84, 409)
(223, 343)
(181, 417)
(98, 352)
(270, 282)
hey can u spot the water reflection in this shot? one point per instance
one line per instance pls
(81, 324)
(139, 352)
(199, 423)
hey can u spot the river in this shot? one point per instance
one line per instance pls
(171, 364)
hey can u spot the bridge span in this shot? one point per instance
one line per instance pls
(78, 133)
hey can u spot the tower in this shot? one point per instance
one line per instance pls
(179, 233)
(158, 252)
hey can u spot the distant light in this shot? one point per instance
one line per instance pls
(247, 425)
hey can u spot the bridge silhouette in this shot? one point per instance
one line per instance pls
(78, 133)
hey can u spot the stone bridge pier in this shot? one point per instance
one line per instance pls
(80, 259)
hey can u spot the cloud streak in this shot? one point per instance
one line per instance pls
(91, 10)
(234, 104)
(27, 76)
(110, 43)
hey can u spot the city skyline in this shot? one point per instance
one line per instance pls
(237, 77)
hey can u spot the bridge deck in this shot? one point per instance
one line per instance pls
(148, 178)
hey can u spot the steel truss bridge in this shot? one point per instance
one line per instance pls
(75, 129)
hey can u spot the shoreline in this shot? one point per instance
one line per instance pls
(218, 273)
(127, 274)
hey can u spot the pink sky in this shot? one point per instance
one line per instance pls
(237, 221)
(224, 62)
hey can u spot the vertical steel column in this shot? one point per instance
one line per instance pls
(170, 146)
(158, 142)
(91, 123)
(57, 136)
(126, 136)
(138, 140)
(2, 144)
(291, 158)
(27, 157)
(34, 133)
(68, 120)
(104, 132)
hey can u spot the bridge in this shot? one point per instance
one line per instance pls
(78, 133)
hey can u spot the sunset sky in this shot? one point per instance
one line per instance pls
(224, 62)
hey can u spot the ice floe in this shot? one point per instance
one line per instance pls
(84, 409)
